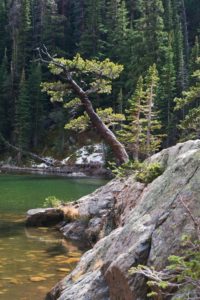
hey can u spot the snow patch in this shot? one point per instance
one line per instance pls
(65, 160)
(48, 159)
(40, 166)
(87, 155)
(93, 154)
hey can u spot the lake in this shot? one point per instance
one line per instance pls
(33, 260)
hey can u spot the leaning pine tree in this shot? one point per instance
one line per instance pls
(79, 79)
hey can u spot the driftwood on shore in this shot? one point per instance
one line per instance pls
(27, 153)
(70, 171)
(53, 166)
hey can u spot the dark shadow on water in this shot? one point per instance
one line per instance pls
(9, 228)
(56, 250)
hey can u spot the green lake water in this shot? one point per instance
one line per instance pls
(33, 260)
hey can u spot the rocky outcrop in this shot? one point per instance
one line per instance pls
(97, 213)
(44, 217)
(135, 224)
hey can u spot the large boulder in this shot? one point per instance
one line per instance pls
(44, 217)
(147, 225)
(95, 217)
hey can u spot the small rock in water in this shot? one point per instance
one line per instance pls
(72, 260)
(64, 270)
(37, 279)
(14, 281)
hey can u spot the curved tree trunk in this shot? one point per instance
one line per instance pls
(107, 135)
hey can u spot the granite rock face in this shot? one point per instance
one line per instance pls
(135, 224)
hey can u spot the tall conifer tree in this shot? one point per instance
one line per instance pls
(23, 115)
(131, 134)
(6, 107)
(3, 24)
(91, 41)
(36, 100)
(142, 133)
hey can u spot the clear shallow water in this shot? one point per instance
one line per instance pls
(32, 260)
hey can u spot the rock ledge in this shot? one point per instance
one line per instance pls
(129, 223)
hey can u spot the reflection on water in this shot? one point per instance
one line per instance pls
(32, 260)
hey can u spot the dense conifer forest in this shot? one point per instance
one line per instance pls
(91, 90)
(153, 103)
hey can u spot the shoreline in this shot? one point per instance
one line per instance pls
(87, 171)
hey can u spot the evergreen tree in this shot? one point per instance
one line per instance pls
(168, 16)
(185, 35)
(151, 116)
(131, 134)
(195, 54)
(37, 13)
(117, 25)
(52, 27)
(91, 41)
(14, 13)
(193, 13)
(24, 46)
(190, 102)
(76, 26)
(141, 134)
(101, 75)
(117, 29)
(150, 28)
(178, 48)
(36, 99)
(3, 24)
(131, 7)
(166, 93)
(5, 99)
(148, 38)
(135, 33)
(23, 116)
(119, 102)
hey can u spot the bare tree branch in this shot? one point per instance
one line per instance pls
(19, 150)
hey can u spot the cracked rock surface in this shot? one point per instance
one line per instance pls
(147, 226)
